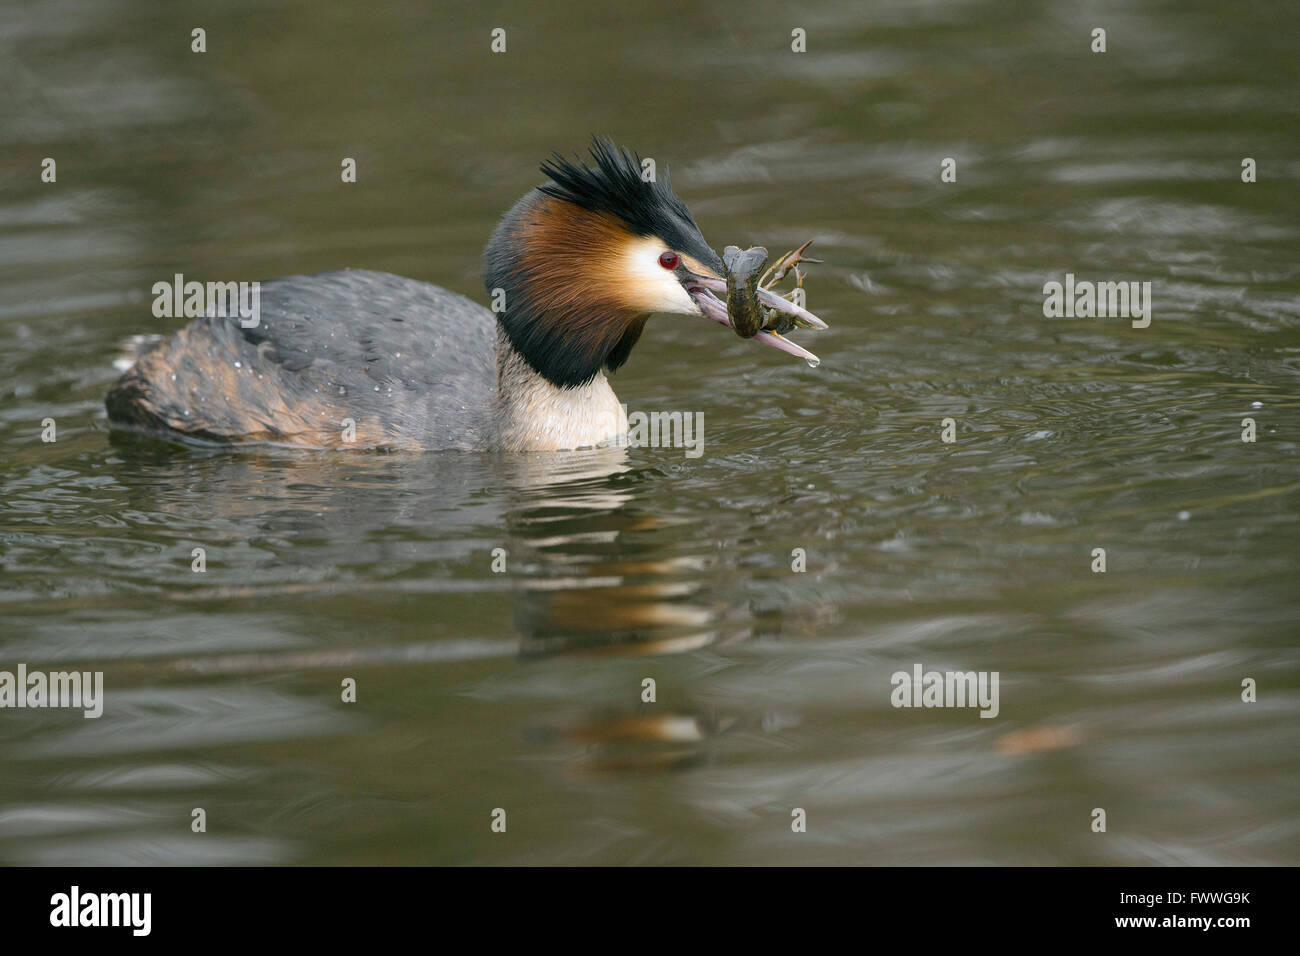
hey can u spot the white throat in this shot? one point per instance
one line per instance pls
(536, 415)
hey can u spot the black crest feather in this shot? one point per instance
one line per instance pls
(615, 186)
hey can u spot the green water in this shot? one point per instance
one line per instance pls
(522, 690)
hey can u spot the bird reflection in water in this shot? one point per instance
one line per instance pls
(598, 580)
(589, 573)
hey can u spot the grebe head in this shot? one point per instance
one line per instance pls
(586, 258)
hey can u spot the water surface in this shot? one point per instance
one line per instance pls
(522, 690)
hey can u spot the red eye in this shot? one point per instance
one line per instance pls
(668, 260)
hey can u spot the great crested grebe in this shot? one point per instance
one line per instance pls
(367, 359)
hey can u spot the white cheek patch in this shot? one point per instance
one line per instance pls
(648, 286)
